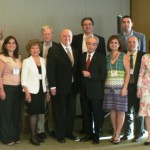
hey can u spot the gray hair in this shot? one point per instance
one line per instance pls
(93, 36)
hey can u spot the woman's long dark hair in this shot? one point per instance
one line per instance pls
(5, 50)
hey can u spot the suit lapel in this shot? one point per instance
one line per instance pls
(34, 64)
(136, 63)
(64, 54)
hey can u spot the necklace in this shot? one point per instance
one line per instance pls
(115, 57)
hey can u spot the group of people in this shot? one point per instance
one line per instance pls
(117, 83)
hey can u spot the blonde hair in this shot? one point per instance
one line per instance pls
(46, 27)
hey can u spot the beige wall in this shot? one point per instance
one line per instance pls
(140, 11)
(24, 18)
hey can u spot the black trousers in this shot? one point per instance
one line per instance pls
(132, 114)
(92, 111)
(10, 109)
(64, 108)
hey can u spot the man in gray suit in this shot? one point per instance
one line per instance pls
(127, 31)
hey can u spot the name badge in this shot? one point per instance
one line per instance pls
(113, 73)
(131, 71)
(16, 71)
(40, 76)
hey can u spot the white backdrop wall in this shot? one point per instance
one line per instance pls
(24, 18)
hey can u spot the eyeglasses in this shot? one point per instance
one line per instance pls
(88, 24)
(93, 44)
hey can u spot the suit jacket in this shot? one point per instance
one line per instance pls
(78, 40)
(137, 66)
(30, 75)
(60, 70)
(141, 39)
(94, 86)
(41, 49)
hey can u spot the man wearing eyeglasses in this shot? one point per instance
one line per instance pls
(79, 43)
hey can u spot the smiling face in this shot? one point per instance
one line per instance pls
(87, 27)
(114, 45)
(91, 44)
(66, 37)
(11, 45)
(35, 50)
(132, 44)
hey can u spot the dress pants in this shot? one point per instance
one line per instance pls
(10, 114)
(64, 108)
(50, 117)
(132, 114)
(92, 111)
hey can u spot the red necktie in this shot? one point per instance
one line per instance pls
(88, 62)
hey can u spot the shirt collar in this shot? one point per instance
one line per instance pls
(129, 34)
(90, 54)
(47, 45)
(84, 36)
(134, 54)
(65, 47)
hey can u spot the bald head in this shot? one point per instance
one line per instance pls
(132, 44)
(66, 37)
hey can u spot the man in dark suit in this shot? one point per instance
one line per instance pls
(93, 69)
(133, 102)
(127, 31)
(79, 41)
(47, 119)
(62, 76)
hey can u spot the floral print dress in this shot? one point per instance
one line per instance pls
(144, 84)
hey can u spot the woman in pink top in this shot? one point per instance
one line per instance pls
(10, 91)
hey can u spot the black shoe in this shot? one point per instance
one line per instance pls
(40, 140)
(146, 143)
(61, 140)
(86, 138)
(125, 137)
(137, 138)
(34, 142)
(52, 134)
(73, 137)
(42, 135)
(96, 139)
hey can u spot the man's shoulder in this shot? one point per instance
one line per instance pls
(100, 37)
(141, 53)
(77, 36)
(138, 34)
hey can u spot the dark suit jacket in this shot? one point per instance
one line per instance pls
(60, 70)
(41, 49)
(94, 86)
(137, 65)
(78, 39)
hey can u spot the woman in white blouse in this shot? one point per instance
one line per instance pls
(33, 80)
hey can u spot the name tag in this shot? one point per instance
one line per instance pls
(114, 73)
(40, 76)
(131, 71)
(16, 71)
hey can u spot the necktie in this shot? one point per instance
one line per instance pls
(131, 69)
(88, 62)
(70, 56)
